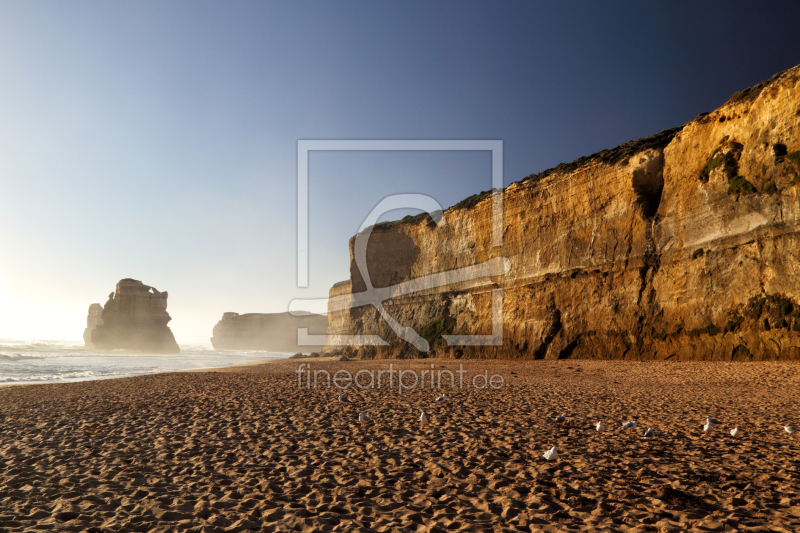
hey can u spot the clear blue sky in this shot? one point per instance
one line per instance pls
(157, 140)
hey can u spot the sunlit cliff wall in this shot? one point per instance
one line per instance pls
(682, 245)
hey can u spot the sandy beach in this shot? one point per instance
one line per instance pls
(246, 448)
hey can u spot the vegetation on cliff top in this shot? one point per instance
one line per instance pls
(748, 95)
(612, 156)
(408, 219)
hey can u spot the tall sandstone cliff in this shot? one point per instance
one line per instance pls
(134, 318)
(682, 245)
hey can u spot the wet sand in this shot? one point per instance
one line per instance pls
(244, 448)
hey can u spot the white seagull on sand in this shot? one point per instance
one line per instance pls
(363, 418)
(600, 426)
(424, 418)
(788, 429)
(560, 419)
(629, 425)
(710, 424)
(441, 398)
(735, 432)
(649, 433)
(551, 454)
(344, 398)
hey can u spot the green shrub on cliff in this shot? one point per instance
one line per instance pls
(739, 185)
(432, 331)
(715, 161)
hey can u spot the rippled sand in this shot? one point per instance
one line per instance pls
(246, 449)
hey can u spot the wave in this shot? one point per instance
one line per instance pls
(51, 377)
(58, 362)
(18, 356)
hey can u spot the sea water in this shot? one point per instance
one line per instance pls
(63, 361)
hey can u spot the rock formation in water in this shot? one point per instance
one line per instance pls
(274, 332)
(682, 245)
(134, 318)
(92, 321)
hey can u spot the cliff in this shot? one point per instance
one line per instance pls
(275, 332)
(134, 318)
(681, 245)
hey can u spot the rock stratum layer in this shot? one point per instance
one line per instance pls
(682, 245)
(134, 318)
(274, 332)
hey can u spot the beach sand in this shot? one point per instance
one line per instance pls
(247, 449)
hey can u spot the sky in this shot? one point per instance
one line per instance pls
(158, 140)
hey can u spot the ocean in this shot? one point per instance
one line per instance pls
(44, 361)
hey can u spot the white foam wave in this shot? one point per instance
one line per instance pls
(40, 361)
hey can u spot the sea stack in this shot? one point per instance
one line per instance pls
(134, 318)
(274, 332)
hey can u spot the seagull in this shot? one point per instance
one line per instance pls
(561, 419)
(649, 433)
(424, 418)
(441, 398)
(710, 424)
(363, 418)
(629, 425)
(600, 426)
(788, 429)
(343, 398)
(551, 454)
(735, 432)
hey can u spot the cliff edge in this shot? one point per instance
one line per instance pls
(682, 245)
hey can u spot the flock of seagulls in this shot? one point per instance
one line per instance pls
(364, 418)
(552, 453)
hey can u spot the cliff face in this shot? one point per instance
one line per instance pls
(134, 318)
(682, 245)
(276, 332)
